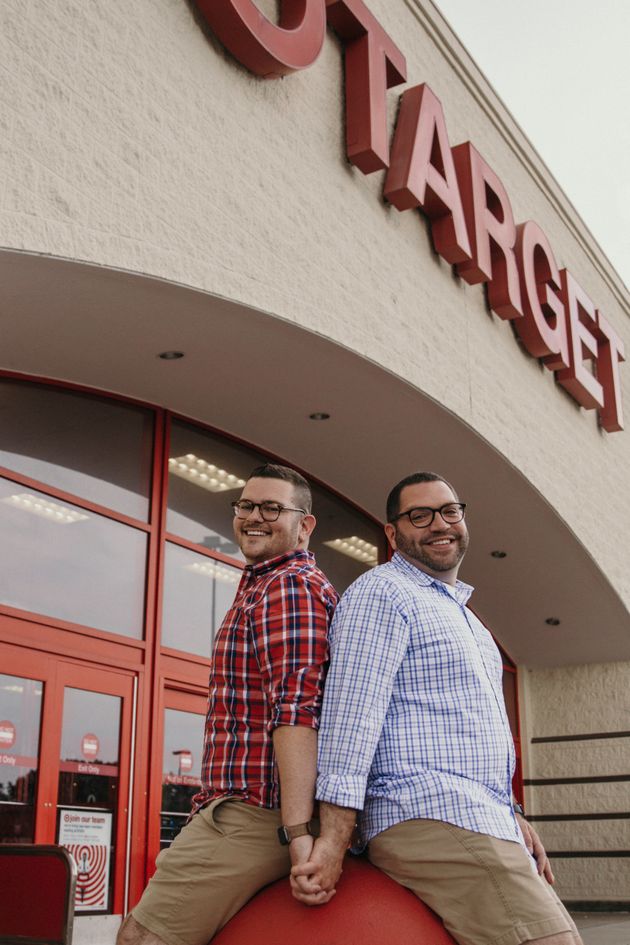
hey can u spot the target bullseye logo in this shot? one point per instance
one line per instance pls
(92, 872)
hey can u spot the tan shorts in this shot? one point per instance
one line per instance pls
(484, 889)
(220, 859)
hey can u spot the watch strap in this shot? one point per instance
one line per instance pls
(287, 834)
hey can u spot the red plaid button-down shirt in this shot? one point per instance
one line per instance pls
(268, 668)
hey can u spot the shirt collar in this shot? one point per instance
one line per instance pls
(279, 561)
(460, 591)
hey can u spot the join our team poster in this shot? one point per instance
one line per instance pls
(87, 836)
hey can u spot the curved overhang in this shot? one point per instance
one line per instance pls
(260, 378)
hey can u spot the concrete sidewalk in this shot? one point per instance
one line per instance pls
(603, 928)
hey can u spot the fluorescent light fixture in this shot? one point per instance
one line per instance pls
(204, 474)
(356, 548)
(60, 514)
(213, 569)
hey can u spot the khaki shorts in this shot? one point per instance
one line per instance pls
(220, 859)
(484, 889)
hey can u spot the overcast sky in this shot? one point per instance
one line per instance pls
(562, 67)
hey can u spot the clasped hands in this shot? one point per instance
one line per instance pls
(315, 871)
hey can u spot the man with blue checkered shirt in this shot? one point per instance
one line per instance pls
(415, 737)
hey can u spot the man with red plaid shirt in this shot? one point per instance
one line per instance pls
(253, 818)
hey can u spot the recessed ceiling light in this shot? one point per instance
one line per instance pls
(319, 415)
(553, 621)
(59, 514)
(204, 474)
(356, 548)
(171, 355)
(499, 554)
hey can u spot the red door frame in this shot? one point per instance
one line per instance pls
(56, 674)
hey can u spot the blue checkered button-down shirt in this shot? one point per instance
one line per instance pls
(413, 723)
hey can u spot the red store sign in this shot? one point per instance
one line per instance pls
(90, 746)
(7, 734)
(471, 219)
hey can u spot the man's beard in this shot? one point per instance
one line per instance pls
(422, 554)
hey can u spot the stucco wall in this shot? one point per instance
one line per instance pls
(129, 138)
(581, 701)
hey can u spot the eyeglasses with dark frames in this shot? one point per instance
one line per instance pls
(452, 513)
(269, 511)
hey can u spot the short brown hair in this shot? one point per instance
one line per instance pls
(301, 488)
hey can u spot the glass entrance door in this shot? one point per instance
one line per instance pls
(20, 720)
(65, 761)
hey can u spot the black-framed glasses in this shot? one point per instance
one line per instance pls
(452, 513)
(269, 511)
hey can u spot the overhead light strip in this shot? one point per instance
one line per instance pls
(356, 548)
(60, 514)
(203, 474)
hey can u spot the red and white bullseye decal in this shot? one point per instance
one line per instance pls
(91, 874)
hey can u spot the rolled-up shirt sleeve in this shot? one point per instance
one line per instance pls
(369, 638)
(290, 636)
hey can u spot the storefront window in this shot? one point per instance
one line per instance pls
(198, 591)
(207, 472)
(97, 449)
(88, 792)
(181, 770)
(345, 542)
(59, 560)
(20, 715)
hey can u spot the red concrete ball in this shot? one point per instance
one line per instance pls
(368, 909)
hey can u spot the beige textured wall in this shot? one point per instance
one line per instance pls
(581, 700)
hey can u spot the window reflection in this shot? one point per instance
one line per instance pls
(58, 560)
(89, 773)
(199, 509)
(20, 716)
(94, 448)
(197, 594)
(345, 542)
(181, 770)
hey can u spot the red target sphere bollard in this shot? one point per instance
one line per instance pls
(368, 909)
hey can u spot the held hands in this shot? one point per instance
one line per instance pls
(313, 878)
(537, 850)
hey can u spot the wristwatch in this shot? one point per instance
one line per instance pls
(287, 834)
(518, 809)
